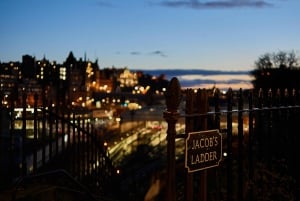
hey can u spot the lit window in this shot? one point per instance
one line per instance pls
(62, 73)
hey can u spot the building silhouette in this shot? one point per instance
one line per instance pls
(75, 82)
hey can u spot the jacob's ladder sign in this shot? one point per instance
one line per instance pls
(203, 150)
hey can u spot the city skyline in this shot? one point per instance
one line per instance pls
(158, 34)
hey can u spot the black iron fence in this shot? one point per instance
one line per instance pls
(260, 132)
(44, 138)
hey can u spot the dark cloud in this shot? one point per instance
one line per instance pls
(135, 53)
(158, 52)
(104, 4)
(155, 53)
(200, 4)
(180, 72)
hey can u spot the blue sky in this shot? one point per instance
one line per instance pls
(150, 34)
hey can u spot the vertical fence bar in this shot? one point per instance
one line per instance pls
(56, 130)
(44, 127)
(62, 124)
(97, 161)
(78, 153)
(12, 133)
(269, 139)
(216, 95)
(1, 107)
(69, 130)
(50, 119)
(83, 145)
(286, 122)
(35, 130)
(276, 127)
(88, 146)
(250, 144)
(202, 108)
(286, 97)
(93, 142)
(68, 139)
(171, 115)
(12, 120)
(23, 137)
(229, 145)
(294, 97)
(189, 127)
(217, 120)
(259, 123)
(74, 143)
(295, 138)
(240, 145)
(35, 119)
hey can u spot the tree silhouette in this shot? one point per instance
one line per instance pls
(276, 71)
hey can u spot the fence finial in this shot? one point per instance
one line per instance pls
(173, 95)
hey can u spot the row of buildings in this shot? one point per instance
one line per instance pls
(74, 82)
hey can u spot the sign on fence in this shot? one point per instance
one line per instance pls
(203, 150)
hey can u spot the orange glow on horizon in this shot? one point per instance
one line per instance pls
(222, 86)
(220, 81)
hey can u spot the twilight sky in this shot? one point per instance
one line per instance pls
(150, 34)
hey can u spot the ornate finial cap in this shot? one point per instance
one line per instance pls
(173, 95)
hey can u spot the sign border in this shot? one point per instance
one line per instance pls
(186, 149)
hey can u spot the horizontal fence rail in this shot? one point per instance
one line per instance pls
(261, 131)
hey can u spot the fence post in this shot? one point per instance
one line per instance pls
(171, 115)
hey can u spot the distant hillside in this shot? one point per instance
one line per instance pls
(180, 72)
(200, 78)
